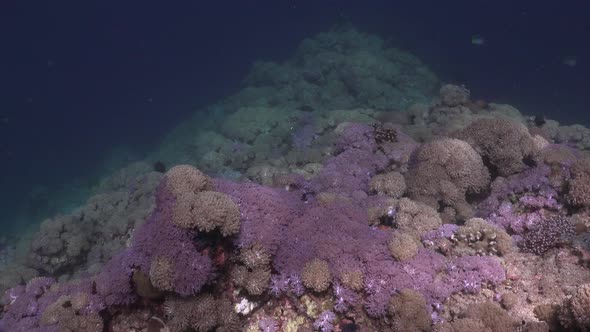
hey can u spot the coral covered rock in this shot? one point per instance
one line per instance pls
(575, 313)
(86, 238)
(478, 237)
(492, 316)
(443, 172)
(506, 145)
(409, 311)
(67, 314)
(462, 325)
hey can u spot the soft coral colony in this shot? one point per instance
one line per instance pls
(457, 216)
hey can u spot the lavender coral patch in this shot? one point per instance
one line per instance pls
(469, 273)
(344, 298)
(337, 233)
(268, 325)
(265, 212)
(325, 321)
(431, 274)
(533, 180)
(113, 283)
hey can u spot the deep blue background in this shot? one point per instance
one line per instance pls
(77, 77)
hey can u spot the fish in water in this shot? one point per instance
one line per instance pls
(477, 40)
(570, 60)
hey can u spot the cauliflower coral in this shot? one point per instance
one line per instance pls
(444, 172)
(505, 145)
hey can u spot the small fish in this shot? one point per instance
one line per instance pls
(3, 119)
(570, 60)
(477, 40)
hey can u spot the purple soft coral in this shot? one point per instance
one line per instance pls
(268, 324)
(325, 321)
(344, 298)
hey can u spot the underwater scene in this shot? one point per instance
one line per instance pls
(331, 166)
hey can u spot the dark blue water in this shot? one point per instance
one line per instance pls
(80, 78)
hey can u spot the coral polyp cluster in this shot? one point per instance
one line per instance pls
(448, 215)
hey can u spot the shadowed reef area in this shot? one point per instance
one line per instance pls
(345, 189)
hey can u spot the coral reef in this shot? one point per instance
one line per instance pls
(575, 312)
(334, 192)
